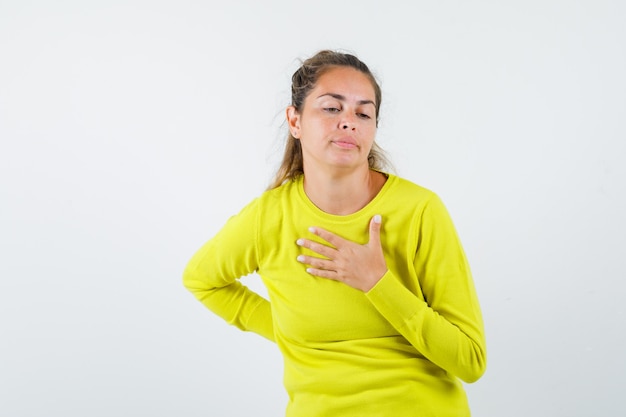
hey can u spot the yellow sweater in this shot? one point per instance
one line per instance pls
(398, 350)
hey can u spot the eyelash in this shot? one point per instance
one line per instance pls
(335, 110)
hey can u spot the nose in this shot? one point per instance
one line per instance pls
(348, 124)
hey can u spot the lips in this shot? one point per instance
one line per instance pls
(346, 143)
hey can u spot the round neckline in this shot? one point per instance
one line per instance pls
(340, 218)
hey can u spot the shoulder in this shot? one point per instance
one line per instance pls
(410, 200)
(271, 206)
(277, 195)
(421, 205)
(409, 192)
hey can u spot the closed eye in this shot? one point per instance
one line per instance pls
(363, 116)
(331, 109)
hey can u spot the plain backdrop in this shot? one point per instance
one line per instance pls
(131, 130)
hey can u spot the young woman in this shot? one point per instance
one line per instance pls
(372, 302)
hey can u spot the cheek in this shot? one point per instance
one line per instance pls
(369, 131)
(317, 126)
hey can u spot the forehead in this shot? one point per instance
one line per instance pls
(345, 81)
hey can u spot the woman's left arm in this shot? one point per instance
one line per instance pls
(447, 325)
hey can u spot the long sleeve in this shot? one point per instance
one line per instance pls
(212, 275)
(400, 349)
(446, 326)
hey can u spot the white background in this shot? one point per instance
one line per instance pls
(131, 130)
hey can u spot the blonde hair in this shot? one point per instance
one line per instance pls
(302, 82)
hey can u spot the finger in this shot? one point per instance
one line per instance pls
(329, 237)
(323, 273)
(316, 247)
(375, 226)
(316, 263)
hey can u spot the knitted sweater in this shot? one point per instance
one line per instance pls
(397, 350)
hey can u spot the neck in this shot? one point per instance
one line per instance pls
(342, 193)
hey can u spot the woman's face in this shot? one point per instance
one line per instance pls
(337, 124)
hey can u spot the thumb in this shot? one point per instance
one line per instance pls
(375, 225)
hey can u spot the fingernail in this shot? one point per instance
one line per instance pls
(377, 218)
(300, 258)
(300, 242)
(312, 229)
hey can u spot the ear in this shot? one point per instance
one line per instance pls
(293, 119)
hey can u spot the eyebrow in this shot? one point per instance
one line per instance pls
(342, 98)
